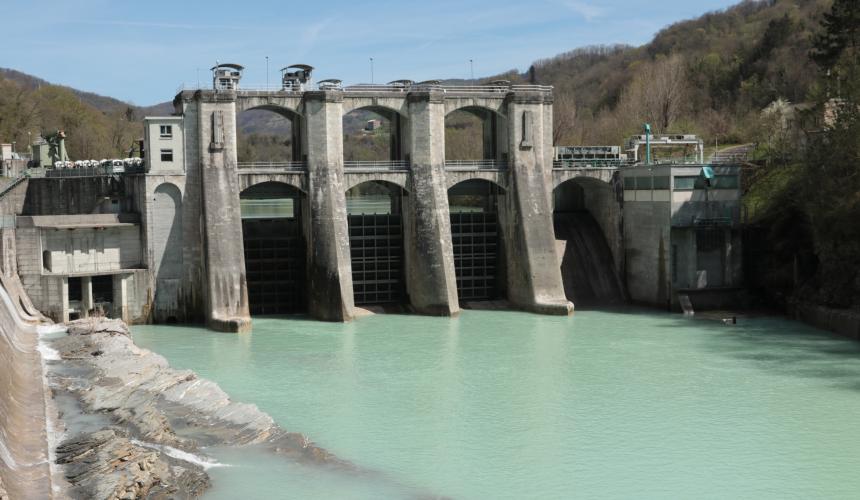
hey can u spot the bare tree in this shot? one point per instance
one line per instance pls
(563, 117)
(657, 93)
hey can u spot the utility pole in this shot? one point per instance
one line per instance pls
(472, 69)
(371, 70)
(267, 72)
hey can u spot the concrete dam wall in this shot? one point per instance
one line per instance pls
(24, 451)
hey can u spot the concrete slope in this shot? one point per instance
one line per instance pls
(25, 470)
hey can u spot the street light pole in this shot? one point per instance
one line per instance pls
(371, 70)
(472, 69)
(267, 72)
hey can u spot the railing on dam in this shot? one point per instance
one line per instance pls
(364, 88)
(100, 171)
(290, 166)
(566, 164)
(377, 166)
(476, 165)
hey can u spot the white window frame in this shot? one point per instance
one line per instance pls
(169, 152)
(168, 134)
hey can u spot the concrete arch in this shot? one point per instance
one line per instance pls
(285, 106)
(560, 175)
(496, 106)
(295, 181)
(399, 179)
(376, 104)
(493, 177)
(272, 186)
(167, 245)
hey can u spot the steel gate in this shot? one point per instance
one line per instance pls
(275, 265)
(376, 251)
(475, 236)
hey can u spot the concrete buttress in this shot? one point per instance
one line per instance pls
(227, 291)
(534, 280)
(430, 277)
(330, 269)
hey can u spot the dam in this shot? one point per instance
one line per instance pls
(192, 234)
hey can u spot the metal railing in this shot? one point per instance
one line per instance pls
(85, 171)
(362, 88)
(614, 163)
(377, 165)
(294, 166)
(476, 165)
(9, 187)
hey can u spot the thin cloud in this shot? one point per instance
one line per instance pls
(588, 11)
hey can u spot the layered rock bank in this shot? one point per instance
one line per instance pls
(134, 427)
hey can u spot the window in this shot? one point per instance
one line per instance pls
(689, 182)
(165, 131)
(167, 155)
(661, 182)
(630, 183)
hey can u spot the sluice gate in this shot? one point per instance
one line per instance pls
(376, 243)
(376, 250)
(475, 237)
(275, 249)
(274, 265)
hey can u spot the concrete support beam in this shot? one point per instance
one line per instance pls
(120, 297)
(430, 278)
(86, 296)
(64, 294)
(227, 290)
(330, 268)
(534, 278)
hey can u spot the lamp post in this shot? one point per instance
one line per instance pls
(267, 72)
(371, 70)
(472, 69)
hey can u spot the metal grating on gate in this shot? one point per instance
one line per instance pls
(274, 265)
(475, 236)
(376, 249)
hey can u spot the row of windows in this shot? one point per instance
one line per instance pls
(682, 183)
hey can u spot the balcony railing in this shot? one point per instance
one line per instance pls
(291, 166)
(377, 166)
(476, 165)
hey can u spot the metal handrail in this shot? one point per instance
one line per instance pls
(476, 165)
(284, 165)
(373, 88)
(376, 165)
(9, 187)
(563, 164)
(99, 171)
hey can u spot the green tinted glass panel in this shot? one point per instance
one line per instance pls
(272, 208)
(686, 183)
(661, 182)
(630, 183)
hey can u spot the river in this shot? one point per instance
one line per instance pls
(609, 404)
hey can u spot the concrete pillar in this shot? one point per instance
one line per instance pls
(534, 278)
(64, 299)
(120, 297)
(226, 286)
(430, 278)
(86, 296)
(330, 268)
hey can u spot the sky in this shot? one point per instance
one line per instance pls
(143, 51)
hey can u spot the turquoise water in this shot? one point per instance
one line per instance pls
(620, 404)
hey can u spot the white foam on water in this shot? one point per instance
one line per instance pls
(44, 330)
(205, 462)
(48, 353)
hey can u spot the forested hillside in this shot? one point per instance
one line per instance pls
(711, 76)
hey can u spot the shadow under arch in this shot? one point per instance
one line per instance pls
(587, 220)
(167, 251)
(478, 240)
(275, 248)
(375, 220)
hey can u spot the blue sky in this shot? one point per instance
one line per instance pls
(143, 51)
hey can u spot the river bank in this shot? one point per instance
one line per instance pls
(133, 427)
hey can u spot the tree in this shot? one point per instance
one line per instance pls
(841, 32)
(564, 119)
(657, 94)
